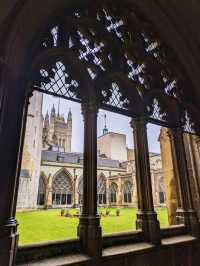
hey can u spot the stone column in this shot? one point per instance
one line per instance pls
(193, 163)
(107, 192)
(168, 175)
(146, 216)
(186, 213)
(49, 199)
(74, 189)
(119, 192)
(89, 229)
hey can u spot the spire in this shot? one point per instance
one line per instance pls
(46, 120)
(69, 118)
(58, 115)
(53, 110)
(105, 130)
(47, 116)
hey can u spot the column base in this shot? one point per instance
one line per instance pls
(89, 232)
(190, 220)
(8, 242)
(147, 221)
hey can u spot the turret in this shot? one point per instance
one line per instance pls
(58, 114)
(105, 130)
(46, 120)
(53, 112)
(69, 118)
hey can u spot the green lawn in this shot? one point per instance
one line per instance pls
(44, 225)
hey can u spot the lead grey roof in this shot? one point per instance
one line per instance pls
(76, 158)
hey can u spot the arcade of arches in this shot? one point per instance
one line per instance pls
(133, 58)
(61, 185)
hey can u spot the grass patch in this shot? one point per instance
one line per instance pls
(45, 225)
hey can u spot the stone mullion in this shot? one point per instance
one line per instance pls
(186, 213)
(89, 228)
(146, 216)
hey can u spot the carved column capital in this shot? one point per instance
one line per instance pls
(138, 122)
(89, 107)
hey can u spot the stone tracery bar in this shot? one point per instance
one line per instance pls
(89, 229)
(146, 216)
(186, 213)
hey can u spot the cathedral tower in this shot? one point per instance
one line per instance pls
(56, 131)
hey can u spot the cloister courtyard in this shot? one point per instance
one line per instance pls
(45, 225)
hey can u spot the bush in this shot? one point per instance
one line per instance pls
(107, 212)
(117, 212)
(68, 214)
(62, 212)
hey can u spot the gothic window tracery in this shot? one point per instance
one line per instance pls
(41, 192)
(80, 190)
(113, 193)
(128, 190)
(62, 189)
(101, 190)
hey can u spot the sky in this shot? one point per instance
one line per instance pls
(115, 123)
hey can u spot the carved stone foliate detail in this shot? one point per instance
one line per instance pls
(110, 51)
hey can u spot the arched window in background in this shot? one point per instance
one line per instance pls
(80, 190)
(128, 188)
(41, 192)
(113, 193)
(101, 190)
(62, 190)
(161, 191)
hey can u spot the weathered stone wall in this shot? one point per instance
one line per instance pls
(28, 186)
(168, 175)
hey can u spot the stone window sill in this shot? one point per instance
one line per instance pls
(68, 252)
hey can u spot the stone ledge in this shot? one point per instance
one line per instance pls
(109, 252)
(178, 240)
(127, 249)
(73, 259)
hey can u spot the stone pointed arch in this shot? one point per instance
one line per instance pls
(63, 170)
(42, 190)
(128, 192)
(62, 188)
(101, 190)
(113, 193)
(80, 189)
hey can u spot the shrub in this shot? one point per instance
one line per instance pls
(118, 212)
(62, 212)
(68, 214)
(107, 212)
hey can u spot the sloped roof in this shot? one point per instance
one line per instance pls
(76, 158)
